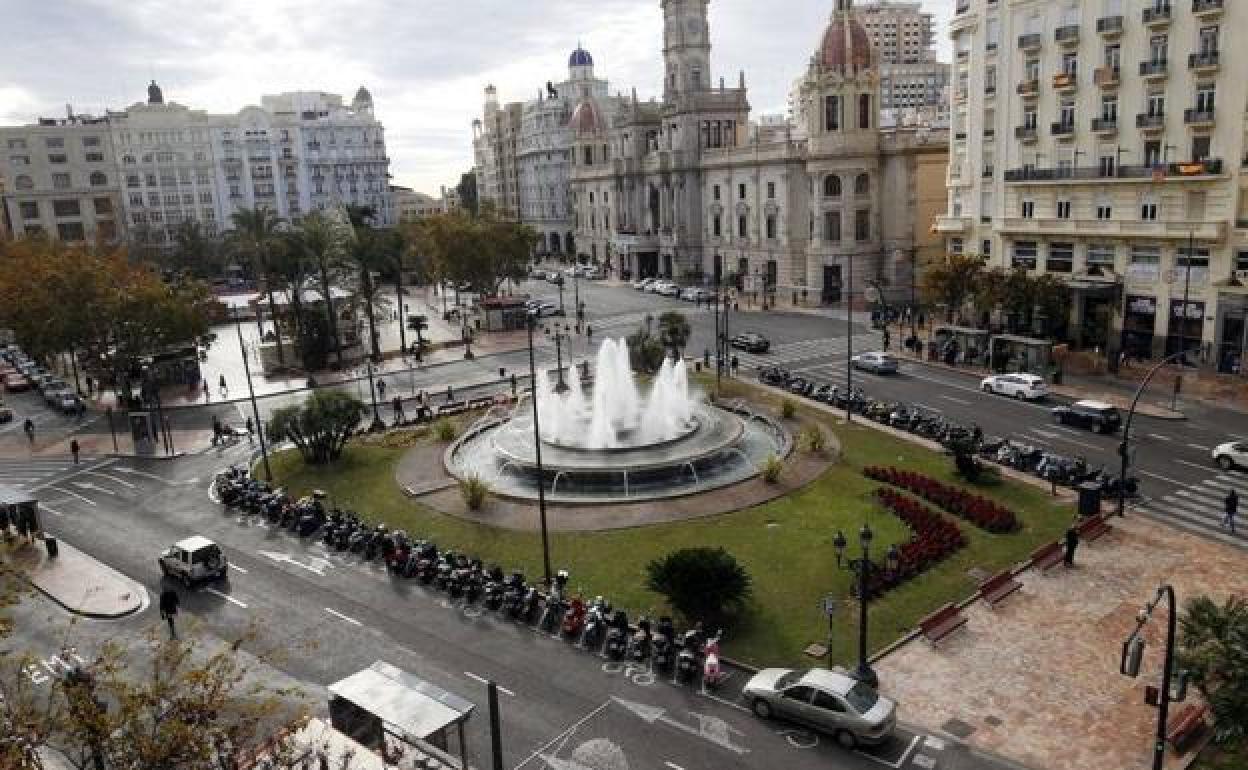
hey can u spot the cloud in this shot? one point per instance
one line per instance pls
(426, 63)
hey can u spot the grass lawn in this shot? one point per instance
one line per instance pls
(786, 544)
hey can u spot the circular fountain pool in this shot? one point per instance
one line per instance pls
(604, 442)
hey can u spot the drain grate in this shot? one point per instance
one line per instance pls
(958, 728)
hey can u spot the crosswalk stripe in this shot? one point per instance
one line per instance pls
(1197, 527)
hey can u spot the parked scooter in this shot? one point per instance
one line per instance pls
(639, 648)
(574, 619)
(688, 661)
(663, 645)
(617, 636)
(713, 674)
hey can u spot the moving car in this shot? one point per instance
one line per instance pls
(654, 286)
(68, 402)
(643, 284)
(669, 290)
(1232, 454)
(828, 701)
(193, 560)
(751, 342)
(876, 363)
(1094, 415)
(6, 414)
(1024, 386)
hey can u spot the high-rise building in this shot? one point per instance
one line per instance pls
(1104, 142)
(910, 75)
(495, 138)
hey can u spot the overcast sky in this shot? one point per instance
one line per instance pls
(425, 61)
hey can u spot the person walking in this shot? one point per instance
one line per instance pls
(221, 384)
(450, 394)
(1072, 542)
(74, 449)
(381, 389)
(735, 364)
(207, 393)
(397, 405)
(216, 430)
(169, 609)
(251, 429)
(887, 338)
(29, 428)
(1232, 508)
(90, 386)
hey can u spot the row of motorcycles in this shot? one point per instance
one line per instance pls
(1056, 468)
(594, 626)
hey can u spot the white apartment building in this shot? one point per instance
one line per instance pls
(1104, 141)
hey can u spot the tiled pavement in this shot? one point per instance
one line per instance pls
(1037, 678)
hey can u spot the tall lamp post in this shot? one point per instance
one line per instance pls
(1132, 655)
(559, 336)
(849, 340)
(537, 446)
(251, 392)
(862, 569)
(1126, 428)
(372, 389)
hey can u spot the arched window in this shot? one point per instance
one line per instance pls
(862, 185)
(98, 179)
(832, 186)
(24, 182)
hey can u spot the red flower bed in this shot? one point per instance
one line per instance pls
(980, 511)
(934, 539)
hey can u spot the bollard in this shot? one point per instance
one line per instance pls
(50, 544)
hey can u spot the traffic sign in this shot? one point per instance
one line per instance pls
(829, 605)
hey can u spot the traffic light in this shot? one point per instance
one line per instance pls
(1132, 656)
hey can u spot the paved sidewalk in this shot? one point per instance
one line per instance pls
(1037, 680)
(76, 581)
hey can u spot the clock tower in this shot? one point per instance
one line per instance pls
(686, 47)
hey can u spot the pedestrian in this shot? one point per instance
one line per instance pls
(221, 384)
(381, 389)
(73, 449)
(514, 385)
(216, 430)
(397, 405)
(887, 339)
(29, 427)
(169, 609)
(90, 385)
(207, 394)
(450, 394)
(1072, 542)
(589, 334)
(420, 397)
(1232, 508)
(251, 429)
(735, 364)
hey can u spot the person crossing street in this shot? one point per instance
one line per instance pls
(169, 609)
(1232, 508)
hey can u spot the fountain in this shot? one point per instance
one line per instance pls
(603, 441)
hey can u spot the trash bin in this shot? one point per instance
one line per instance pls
(50, 544)
(1089, 499)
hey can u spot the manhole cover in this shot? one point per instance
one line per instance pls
(958, 728)
(977, 574)
(993, 721)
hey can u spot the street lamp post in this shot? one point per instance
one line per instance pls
(1126, 429)
(849, 340)
(561, 386)
(576, 284)
(561, 283)
(251, 392)
(862, 569)
(372, 389)
(1132, 654)
(537, 446)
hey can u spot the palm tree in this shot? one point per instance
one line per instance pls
(255, 237)
(370, 251)
(323, 242)
(674, 330)
(1213, 648)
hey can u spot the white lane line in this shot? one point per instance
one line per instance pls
(340, 616)
(50, 509)
(123, 482)
(1201, 447)
(723, 701)
(1163, 478)
(1159, 437)
(1084, 444)
(901, 761)
(925, 406)
(227, 597)
(134, 472)
(673, 766)
(86, 500)
(1192, 465)
(236, 567)
(567, 732)
(955, 400)
(483, 680)
(96, 467)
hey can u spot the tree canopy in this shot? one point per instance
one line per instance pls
(1213, 648)
(700, 583)
(319, 427)
(482, 252)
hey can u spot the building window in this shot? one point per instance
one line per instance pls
(103, 206)
(717, 226)
(771, 228)
(1145, 263)
(740, 192)
(19, 160)
(1148, 210)
(61, 182)
(1205, 93)
(832, 186)
(1024, 255)
(71, 231)
(1061, 258)
(24, 182)
(1100, 256)
(742, 226)
(54, 142)
(1028, 209)
(832, 113)
(1241, 260)
(985, 248)
(58, 158)
(66, 208)
(862, 225)
(1104, 209)
(862, 185)
(1063, 209)
(98, 179)
(864, 111)
(955, 245)
(715, 191)
(29, 209)
(17, 144)
(771, 191)
(832, 226)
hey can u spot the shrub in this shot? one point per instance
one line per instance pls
(475, 492)
(980, 511)
(319, 427)
(444, 429)
(700, 583)
(788, 409)
(772, 468)
(934, 539)
(813, 439)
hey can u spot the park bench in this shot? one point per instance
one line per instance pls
(482, 402)
(1092, 527)
(1048, 556)
(1184, 726)
(941, 623)
(451, 408)
(997, 587)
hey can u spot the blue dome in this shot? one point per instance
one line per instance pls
(580, 58)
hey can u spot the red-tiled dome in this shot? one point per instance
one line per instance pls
(587, 119)
(845, 52)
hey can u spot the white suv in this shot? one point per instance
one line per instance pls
(1025, 386)
(193, 560)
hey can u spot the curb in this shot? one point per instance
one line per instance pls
(138, 588)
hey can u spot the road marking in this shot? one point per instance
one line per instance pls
(227, 597)
(1079, 443)
(673, 766)
(905, 755)
(1201, 447)
(123, 482)
(240, 569)
(485, 681)
(71, 493)
(955, 400)
(50, 509)
(709, 728)
(561, 736)
(340, 616)
(315, 565)
(1192, 465)
(102, 463)
(1159, 437)
(123, 469)
(723, 701)
(934, 743)
(1163, 478)
(87, 485)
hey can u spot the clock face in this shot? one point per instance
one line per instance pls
(693, 27)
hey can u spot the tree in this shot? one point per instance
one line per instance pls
(322, 242)
(951, 283)
(1213, 647)
(321, 426)
(482, 252)
(371, 251)
(645, 351)
(700, 583)
(674, 330)
(467, 189)
(195, 253)
(255, 237)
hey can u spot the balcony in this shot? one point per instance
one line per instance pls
(1105, 126)
(1026, 133)
(1083, 174)
(1065, 82)
(1107, 77)
(1147, 121)
(1203, 62)
(1067, 34)
(952, 225)
(1154, 69)
(1206, 9)
(1157, 15)
(1109, 26)
(1198, 117)
(1028, 88)
(963, 7)
(1062, 129)
(1030, 42)
(1121, 228)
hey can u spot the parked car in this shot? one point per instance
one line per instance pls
(688, 295)
(875, 362)
(1094, 415)
(751, 342)
(669, 290)
(1232, 454)
(1023, 386)
(16, 383)
(68, 402)
(52, 396)
(643, 284)
(655, 286)
(6, 414)
(828, 701)
(193, 560)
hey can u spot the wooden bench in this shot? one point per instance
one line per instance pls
(997, 587)
(1092, 527)
(483, 402)
(941, 623)
(1184, 726)
(1048, 556)
(450, 408)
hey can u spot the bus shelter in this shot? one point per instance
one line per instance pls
(1014, 353)
(955, 345)
(19, 511)
(384, 701)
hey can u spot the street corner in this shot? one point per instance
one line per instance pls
(78, 583)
